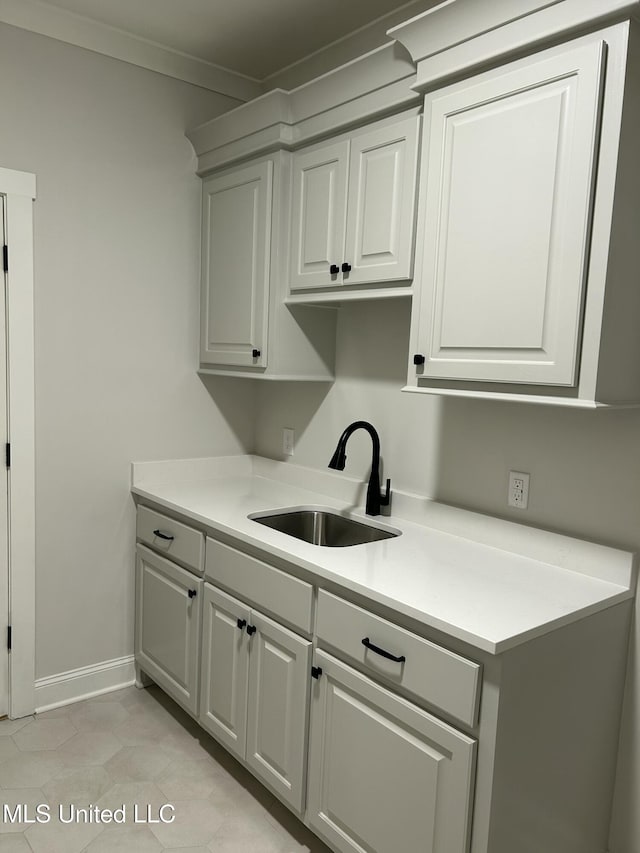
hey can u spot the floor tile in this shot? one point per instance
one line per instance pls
(14, 844)
(26, 798)
(81, 786)
(30, 769)
(98, 716)
(125, 839)
(137, 747)
(137, 799)
(137, 764)
(44, 734)
(189, 779)
(90, 748)
(10, 727)
(7, 748)
(195, 824)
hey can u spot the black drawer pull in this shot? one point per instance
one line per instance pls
(192, 593)
(251, 629)
(241, 623)
(397, 658)
(162, 535)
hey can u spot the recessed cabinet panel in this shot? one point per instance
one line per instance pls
(225, 668)
(277, 718)
(509, 177)
(235, 265)
(168, 625)
(384, 775)
(382, 181)
(319, 204)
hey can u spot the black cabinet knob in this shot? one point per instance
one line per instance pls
(192, 593)
(251, 629)
(334, 269)
(316, 672)
(255, 353)
(346, 267)
(241, 623)
(418, 359)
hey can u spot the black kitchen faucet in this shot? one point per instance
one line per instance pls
(374, 497)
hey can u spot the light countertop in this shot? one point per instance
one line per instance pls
(490, 583)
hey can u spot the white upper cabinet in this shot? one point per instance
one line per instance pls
(320, 206)
(524, 284)
(246, 329)
(236, 221)
(353, 206)
(510, 163)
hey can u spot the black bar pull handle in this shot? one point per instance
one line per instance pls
(397, 658)
(251, 629)
(192, 593)
(241, 623)
(162, 535)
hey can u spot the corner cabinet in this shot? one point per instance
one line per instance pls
(517, 230)
(353, 209)
(245, 328)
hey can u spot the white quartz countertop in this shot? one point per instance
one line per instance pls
(517, 584)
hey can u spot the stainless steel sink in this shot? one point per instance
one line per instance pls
(322, 527)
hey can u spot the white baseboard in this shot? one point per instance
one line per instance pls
(84, 683)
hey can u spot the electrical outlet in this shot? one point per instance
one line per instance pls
(518, 494)
(288, 437)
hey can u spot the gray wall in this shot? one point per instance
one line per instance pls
(584, 466)
(116, 317)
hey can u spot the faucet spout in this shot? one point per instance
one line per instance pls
(375, 499)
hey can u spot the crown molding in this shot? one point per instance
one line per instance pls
(459, 35)
(68, 27)
(379, 83)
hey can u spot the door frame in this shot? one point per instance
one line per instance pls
(19, 190)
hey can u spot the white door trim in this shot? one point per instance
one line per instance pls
(19, 189)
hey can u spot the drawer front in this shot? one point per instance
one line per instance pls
(428, 671)
(280, 594)
(171, 538)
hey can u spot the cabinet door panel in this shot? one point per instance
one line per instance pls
(510, 169)
(277, 713)
(236, 237)
(384, 775)
(168, 626)
(382, 192)
(225, 668)
(318, 215)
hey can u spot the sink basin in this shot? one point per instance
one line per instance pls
(323, 527)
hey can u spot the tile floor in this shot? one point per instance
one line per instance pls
(135, 747)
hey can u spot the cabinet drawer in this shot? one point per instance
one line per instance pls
(272, 590)
(182, 543)
(430, 672)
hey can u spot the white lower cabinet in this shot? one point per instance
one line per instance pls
(255, 691)
(167, 637)
(384, 775)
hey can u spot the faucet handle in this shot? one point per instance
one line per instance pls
(385, 497)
